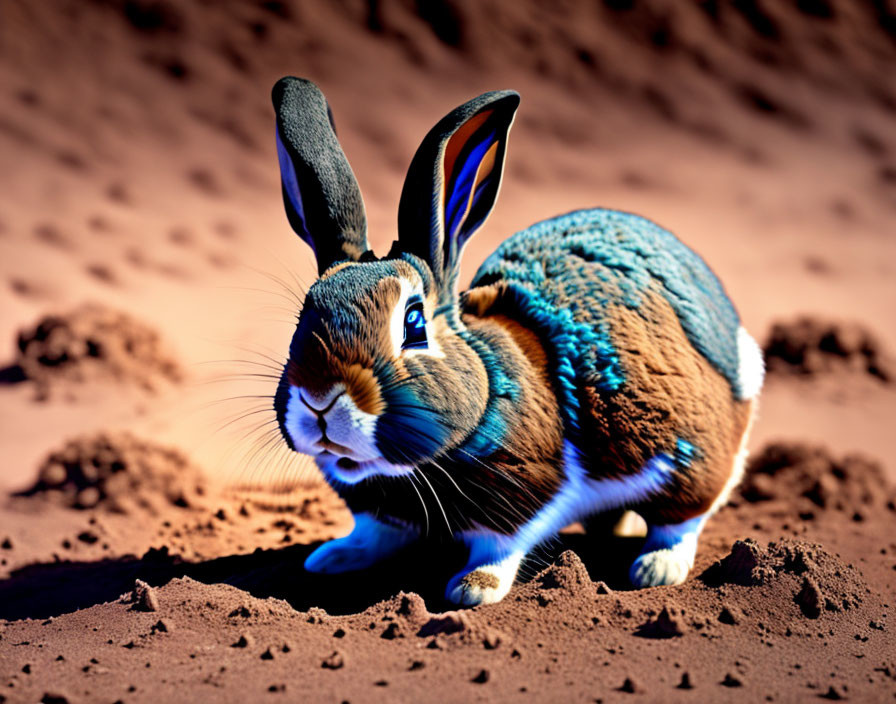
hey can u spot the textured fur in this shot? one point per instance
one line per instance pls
(328, 213)
(595, 364)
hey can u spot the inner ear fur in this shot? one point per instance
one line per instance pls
(453, 183)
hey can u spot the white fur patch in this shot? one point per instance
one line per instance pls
(578, 497)
(751, 366)
(301, 423)
(665, 566)
(668, 555)
(737, 467)
(470, 590)
(328, 464)
(347, 426)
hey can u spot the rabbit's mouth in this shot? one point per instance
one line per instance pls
(347, 464)
(351, 471)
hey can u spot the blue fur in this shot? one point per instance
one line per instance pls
(685, 453)
(565, 271)
(370, 541)
(291, 187)
(668, 536)
(461, 187)
(489, 434)
(410, 430)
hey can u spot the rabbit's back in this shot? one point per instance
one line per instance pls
(570, 270)
(645, 344)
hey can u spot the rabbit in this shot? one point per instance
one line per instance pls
(595, 363)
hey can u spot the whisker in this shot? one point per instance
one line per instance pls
(456, 485)
(272, 367)
(422, 475)
(289, 299)
(241, 377)
(246, 415)
(298, 299)
(413, 484)
(278, 363)
(230, 399)
(262, 448)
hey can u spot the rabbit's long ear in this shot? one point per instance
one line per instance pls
(322, 198)
(453, 182)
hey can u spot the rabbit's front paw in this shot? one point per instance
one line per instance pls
(339, 555)
(483, 584)
(369, 542)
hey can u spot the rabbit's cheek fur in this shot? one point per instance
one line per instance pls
(453, 384)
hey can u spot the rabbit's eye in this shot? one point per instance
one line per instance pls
(414, 324)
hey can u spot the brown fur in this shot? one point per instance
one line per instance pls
(536, 431)
(363, 388)
(456, 385)
(671, 392)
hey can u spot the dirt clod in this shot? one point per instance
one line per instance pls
(816, 479)
(810, 346)
(666, 625)
(120, 473)
(55, 698)
(832, 694)
(567, 573)
(145, 597)
(244, 641)
(728, 615)
(629, 686)
(731, 681)
(810, 598)
(93, 344)
(481, 677)
(334, 661)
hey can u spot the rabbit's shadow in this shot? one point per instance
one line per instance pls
(44, 590)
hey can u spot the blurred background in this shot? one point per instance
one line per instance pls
(139, 173)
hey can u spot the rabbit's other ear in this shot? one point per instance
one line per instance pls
(322, 198)
(453, 182)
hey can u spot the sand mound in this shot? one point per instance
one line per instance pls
(817, 580)
(118, 472)
(811, 346)
(93, 343)
(809, 476)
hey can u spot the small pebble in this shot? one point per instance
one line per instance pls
(482, 677)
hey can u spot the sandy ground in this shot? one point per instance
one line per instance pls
(149, 284)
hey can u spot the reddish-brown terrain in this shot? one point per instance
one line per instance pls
(152, 524)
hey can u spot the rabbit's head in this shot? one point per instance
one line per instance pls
(381, 374)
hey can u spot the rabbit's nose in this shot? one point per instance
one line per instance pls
(321, 403)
